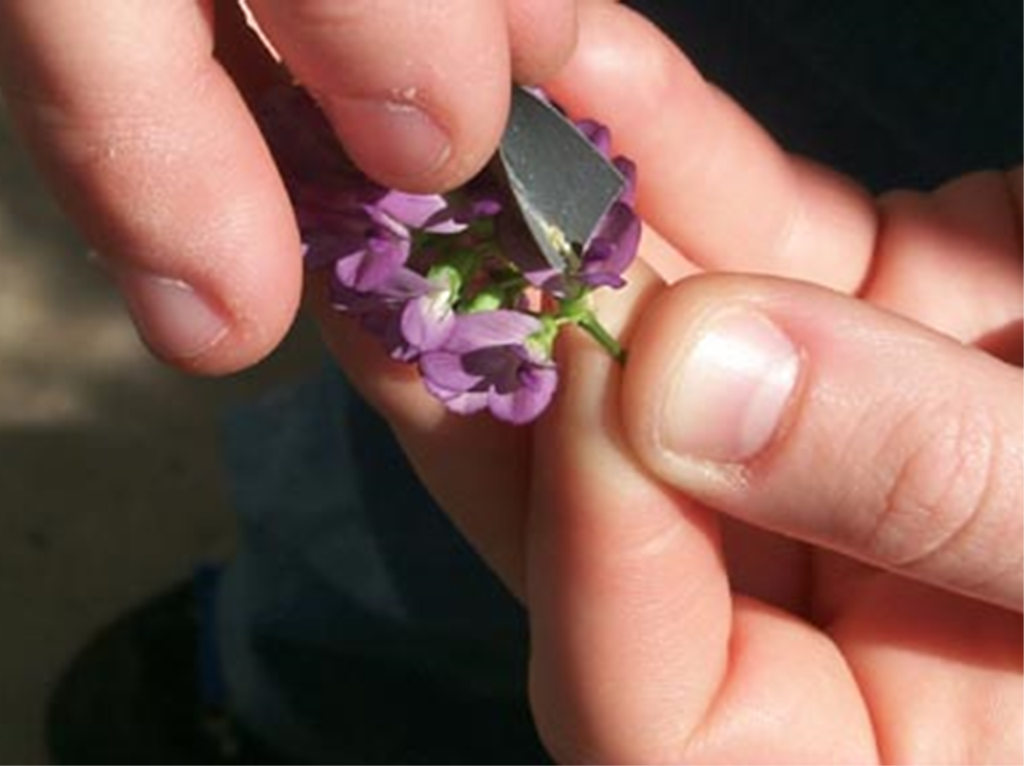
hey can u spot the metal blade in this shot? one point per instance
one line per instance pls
(562, 184)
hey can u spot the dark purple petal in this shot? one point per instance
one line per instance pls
(488, 361)
(484, 196)
(597, 134)
(612, 249)
(525, 404)
(517, 245)
(627, 167)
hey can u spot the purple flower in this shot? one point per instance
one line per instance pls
(517, 245)
(434, 213)
(627, 167)
(336, 205)
(603, 259)
(428, 320)
(493, 360)
(612, 248)
(597, 134)
(444, 280)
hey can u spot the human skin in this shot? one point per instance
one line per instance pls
(833, 576)
(136, 112)
(840, 581)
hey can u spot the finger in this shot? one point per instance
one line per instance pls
(822, 418)
(942, 673)
(601, 537)
(639, 652)
(710, 179)
(417, 92)
(476, 468)
(153, 153)
(951, 259)
(543, 36)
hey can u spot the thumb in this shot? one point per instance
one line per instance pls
(823, 418)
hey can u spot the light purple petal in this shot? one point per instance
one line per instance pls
(380, 260)
(444, 374)
(468, 403)
(485, 208)
(491, 328)
(413, 210)
(427, 321)
(527, 402)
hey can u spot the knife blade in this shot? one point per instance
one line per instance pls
(561, 183)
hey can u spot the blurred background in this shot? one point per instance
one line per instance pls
(111, 480)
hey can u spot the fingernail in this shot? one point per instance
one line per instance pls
(394, 138)
(171, 317)
(726, 396)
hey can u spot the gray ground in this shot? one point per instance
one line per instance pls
(111, 485)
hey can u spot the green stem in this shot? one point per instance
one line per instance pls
(589, 322)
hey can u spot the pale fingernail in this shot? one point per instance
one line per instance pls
(727, 394)
(393, 138)
(171, 317)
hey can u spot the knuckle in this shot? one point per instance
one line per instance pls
(944, 497)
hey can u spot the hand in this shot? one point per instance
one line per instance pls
(136, 112)
(790, 529)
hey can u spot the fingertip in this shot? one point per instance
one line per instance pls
(222, 313)
(543, 38)
(720, 368)
(153, 153)
(417, 93)
(407, 140)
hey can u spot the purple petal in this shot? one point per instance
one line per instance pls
(418, 211)
(468, 403)
(613, 248)
(427, 321)
(530, 400)
(491, 328)
(517, 245)
(323, 248)
(444, 374)
(597, 134)
(627, 167)
(372, 268)
(485, 208)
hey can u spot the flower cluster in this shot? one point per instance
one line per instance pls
(449, 282)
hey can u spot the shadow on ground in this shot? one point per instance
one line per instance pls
(110, 474)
